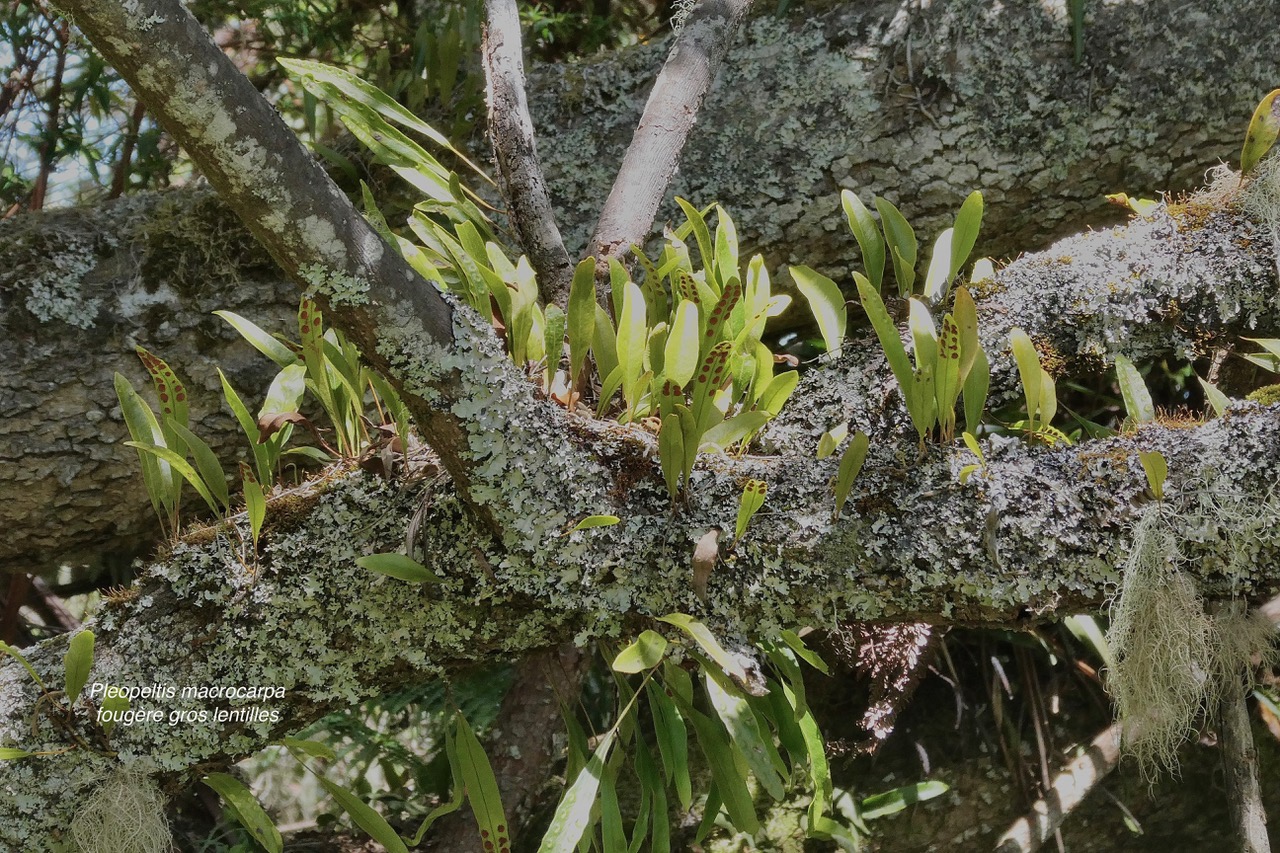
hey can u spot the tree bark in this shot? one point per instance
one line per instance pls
(1036, 533)
(669, 114)
(516, 152)
(922, 103)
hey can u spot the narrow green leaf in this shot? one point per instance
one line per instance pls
(1264, 127)
(867, 233)
(744, 731)
(898, 233)
(255, 503)
(77, 663)
(459, 791)
(654, 794)
(645, 652)
(735, 429)
(724, 770)
(1216, 399)
(604, 345)
(680, 356)
(901, 240)
(482, 788)
(753, 494)
(937, 280)
(827, 303)
(830, 440)
(965, 313)
(808, 655)
(246, 810)
(698, 223)
(398, 566)
(1153, 462)
(673, 741)
(886, 331)
(850, 465)
(924, 335)
(177, 463)
(968, 224)
(1024, 353)
(774, 395)
(582, 315)
(1271, 345)
(573, 815)
(553, 336)
(365, 817)
(975, 389)
(707, 641)
(8, 753)
(608, 387)
(356, 91)
(1048, 399)
(1137, 399)
(313, 748)
(207, 464)
(266, 344)
(671, 452)
(892, 802)
(143, 427)
(726, 247)
(595, 521)
(612, 835)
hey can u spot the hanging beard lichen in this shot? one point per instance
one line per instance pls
(124, 815)
(1173, 661)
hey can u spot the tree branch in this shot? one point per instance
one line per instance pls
(442, 358)
(516, 153)
(673, 105)
(1068, 790)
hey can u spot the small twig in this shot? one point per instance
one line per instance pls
(516, 154)
(1240, 759)
(654, 153)
(1067, 791)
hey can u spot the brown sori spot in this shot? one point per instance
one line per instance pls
(502, 828)
(164, 398)
(181, 397)
(484, 833)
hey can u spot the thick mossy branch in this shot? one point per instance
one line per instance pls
(1040, 533)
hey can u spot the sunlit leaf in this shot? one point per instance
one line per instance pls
(573, 814)
(1264, 127)
(827, 303)
(867, 233)
(645, 652)
(709, 644)
(753, 494)
(1137, 399)
(850, 465)
(266, 344)
(1153, 462)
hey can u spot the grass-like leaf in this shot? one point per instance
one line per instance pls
(246, 810)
